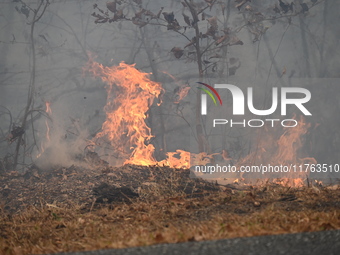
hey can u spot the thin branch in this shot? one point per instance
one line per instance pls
(31, 88)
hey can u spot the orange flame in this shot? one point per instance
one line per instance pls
(181, 91)
(283, 151)
(288, 182)
(130, 94)
(182, 161)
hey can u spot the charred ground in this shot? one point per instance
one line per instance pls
(79, 208)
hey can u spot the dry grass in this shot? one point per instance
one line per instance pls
(166, 213)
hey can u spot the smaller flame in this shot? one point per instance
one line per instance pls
(283, 150)
(43, 145)
(202, 158)
(182, 93)
(236, 181)
(49, 112)
(289, 182)
(181, 161)
(318, 183)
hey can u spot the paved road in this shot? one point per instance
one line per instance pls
(325, 242)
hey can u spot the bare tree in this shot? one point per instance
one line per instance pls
(208, 37)
(18, 132)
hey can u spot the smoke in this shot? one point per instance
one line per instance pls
(62, 140)
(305, 47)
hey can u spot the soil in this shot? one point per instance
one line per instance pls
(84, 208)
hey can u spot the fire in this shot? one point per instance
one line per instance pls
(288, 182)
(130, 93)
(202, 158)
(283, 151)
(182, 161)
(49, 112)
(181, 91)
(290, 142)
(48, 129)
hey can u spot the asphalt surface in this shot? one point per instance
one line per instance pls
(325, 242)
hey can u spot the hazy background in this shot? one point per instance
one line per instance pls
(306, 48)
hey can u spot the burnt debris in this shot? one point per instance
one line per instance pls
(106, 193)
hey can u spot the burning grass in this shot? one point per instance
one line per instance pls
(75, 209)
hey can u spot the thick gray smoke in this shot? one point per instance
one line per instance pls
(303, 46)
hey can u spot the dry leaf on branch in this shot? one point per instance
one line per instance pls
(304, 7)
(240, 3)
(150, 13)
(139, 13)
(213, 22)
(177, 51)
(276, 9)
(286, 7)
(221, 39)
(211, 32)
(118, 15)
(169, 17)
(172, 22)
(186, 19)
(235, 41)
(248, 8)
(138, 22)
(112, 6)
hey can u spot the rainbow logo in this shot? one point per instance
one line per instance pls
(209, 93)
